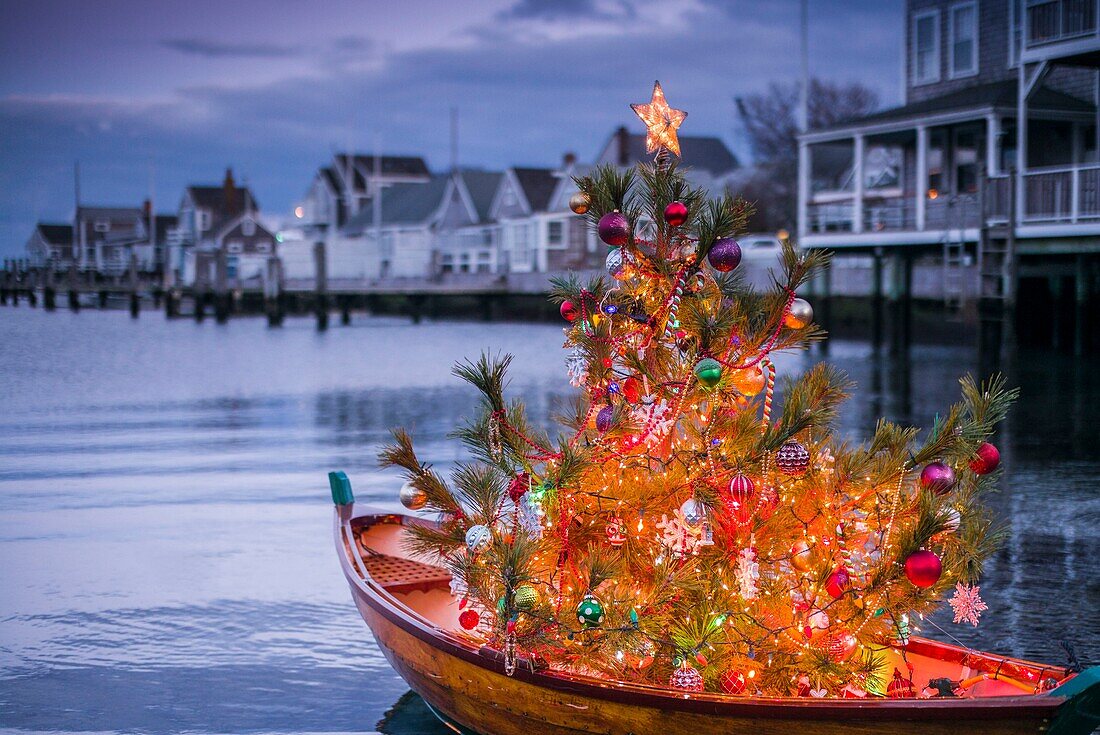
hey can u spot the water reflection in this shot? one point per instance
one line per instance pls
(165, 552)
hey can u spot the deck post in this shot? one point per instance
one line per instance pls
(274, 306)
(857, 172)
(320, 304)
(74, 296)
(876, 299)
(921, 186)
(993, 134)
(1080, 316)
(345, 309)
(135, 299)
(1021, 144)
(221, 286)
(49, 289)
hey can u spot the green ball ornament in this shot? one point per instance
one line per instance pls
(708, 371)
(525, 597)
(590, 612)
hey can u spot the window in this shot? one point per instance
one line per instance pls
(554, 231)
(202, 220)
(966, 160)
(234, 246)
(926, 47)
(936, 144)
(963, 24)
(102, 225)
(248, 228)
(263, 246)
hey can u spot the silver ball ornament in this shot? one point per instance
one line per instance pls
(478, 538)
(801, 314)
(412, 497)
(614, 262)
(694, 512)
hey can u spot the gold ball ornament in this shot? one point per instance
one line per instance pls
(580, 202)
(800, 316)
(802, 556)
(749, 381)
(412, 497)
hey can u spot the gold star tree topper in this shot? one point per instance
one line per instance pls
(661, 122)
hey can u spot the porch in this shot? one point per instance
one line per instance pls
(941, 176)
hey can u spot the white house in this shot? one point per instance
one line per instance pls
(51, 243)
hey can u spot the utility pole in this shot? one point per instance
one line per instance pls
(804, 87)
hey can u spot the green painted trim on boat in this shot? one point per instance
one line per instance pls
(340, 486)
(1081, 712)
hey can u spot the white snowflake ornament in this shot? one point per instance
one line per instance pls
(678, 536)
(577, 366)
(747, 573)
(967, 604)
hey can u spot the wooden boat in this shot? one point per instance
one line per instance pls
(409, 608)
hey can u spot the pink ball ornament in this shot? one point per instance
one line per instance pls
(614, 229)
(686, 678)
(923, 568)
(793, 459)
(469, 619)
(937, 477)
(676, 213)
(986, 459)
(725, 255)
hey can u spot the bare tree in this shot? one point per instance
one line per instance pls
(770, 121)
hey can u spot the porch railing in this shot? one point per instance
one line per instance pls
(1062, 195)
(1051, 21)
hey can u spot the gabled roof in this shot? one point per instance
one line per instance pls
(235, 222)
(482, 187)
(697, 151)
(55, 234)
(214, 199)
(538, 186)
(114, 213)
(164, 223)
(328, 174)
(978, 98)
(402, 204)
(389, 165)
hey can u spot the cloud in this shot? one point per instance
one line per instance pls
(212, 49)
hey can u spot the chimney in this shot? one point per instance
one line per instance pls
(146, 208)
(623, 138)
(230, 189)
(568, 159)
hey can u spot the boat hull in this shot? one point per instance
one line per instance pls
(468, 687)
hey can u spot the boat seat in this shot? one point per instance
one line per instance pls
(398, 575)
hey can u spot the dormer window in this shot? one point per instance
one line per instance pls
(926, 47)
(963, 34)
(102, 225)
(248, 228)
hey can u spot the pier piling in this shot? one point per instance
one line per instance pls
(320, 301)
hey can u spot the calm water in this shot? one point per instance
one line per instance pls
(165, 552)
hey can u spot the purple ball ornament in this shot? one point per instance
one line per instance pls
(725, 255)
(614, 229)
(603, 419)
(937, 477)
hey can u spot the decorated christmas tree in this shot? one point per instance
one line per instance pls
(683, 530)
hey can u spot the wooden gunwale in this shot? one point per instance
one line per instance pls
(1025, 707)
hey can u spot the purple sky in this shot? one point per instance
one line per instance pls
(272, 88)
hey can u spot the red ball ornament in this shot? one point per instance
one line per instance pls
(923, 568)
(837, 582)
(839, 647)
(739, 497)
(469, 619)
(632, 389)
(614, 229)
(686, 678)
(518, 486)
(568, 311)
(937, 477)
(676, 213)
(986, 459)
(732, 681)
